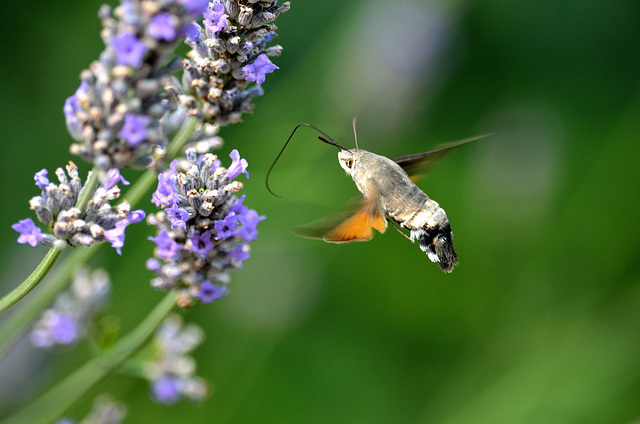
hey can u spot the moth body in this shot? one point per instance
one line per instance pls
(393, 195)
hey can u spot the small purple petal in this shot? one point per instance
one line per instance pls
(166, 390)
(257, 70)
(134, 129)
(167, 247)
(209, 292)
(153, 264)
(41, 179)
(115, 236)
(29, 233)
(70, 109)
(64, 329)
(195, 7)
(129, 50)
(238, 166)
(135, 216)
(239, 253)
(177, 216)
(201, 244)
(226, 227)
(249, 225)
(166, 193)
(238, 208)
(192, 32)
(114, 178)
(215, 19)
(162, 27)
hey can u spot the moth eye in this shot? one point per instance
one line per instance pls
(349, 163)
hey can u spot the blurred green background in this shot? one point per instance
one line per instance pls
(540, 322)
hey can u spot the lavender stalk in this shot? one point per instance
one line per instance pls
(130, 111)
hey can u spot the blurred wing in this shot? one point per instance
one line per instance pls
(355, 224)
(416, 162)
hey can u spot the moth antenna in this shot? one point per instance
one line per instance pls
(325, 139)
(355, 132)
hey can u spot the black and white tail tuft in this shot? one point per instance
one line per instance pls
(437, 242)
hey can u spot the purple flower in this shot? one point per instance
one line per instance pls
(134, 129)
(238, 166)
(226, 227)
(195, 7)
(135, 216)
(129, 50)
(258, 69)
(63, 327)
(209, 292)
(162, 27)
(201, 244)
(153, 264)
(114, 178)
(192, 31)
(29, 233)
(166, 390)
(215, 19)
(166, 192)
(239, 253)
(41, 179)
(177, 216)
(249, 225)
(167, 247)
(71, 107)
(115, 236)
(238, 208)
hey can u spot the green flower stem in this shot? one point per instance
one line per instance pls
(16, 323)
(53, 403)
(181, 138)
(87, 190)
(32, 281)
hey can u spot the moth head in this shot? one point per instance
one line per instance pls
(348, 160)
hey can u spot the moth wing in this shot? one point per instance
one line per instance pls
(356, 223)
(414, 163)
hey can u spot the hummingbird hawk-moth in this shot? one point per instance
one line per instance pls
(390, 194)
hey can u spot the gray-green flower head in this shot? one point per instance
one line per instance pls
(106, 410)
(114, 115)
(66, 322)
(70, 225)
(228, 53)
(204, 230)
(169, 368)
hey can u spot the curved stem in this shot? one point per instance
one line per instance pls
(53, 403)
(17, 322)
(32, 281)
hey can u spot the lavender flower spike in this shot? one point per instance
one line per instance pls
(56, 208)
(196, 256)
(114, 116)
(67, 321)
(227, 54)
(168, 366)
